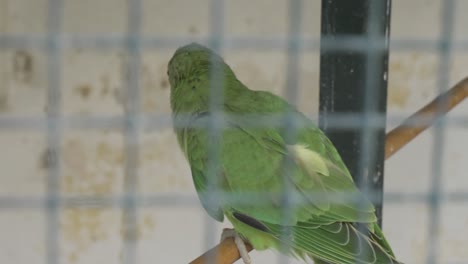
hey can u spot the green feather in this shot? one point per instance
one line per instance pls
(324, 225)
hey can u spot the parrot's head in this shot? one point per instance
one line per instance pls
(192, 71)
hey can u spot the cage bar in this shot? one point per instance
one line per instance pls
(54, 130)
(356, 82)
(436, 191)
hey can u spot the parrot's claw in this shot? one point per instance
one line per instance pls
(243, 252)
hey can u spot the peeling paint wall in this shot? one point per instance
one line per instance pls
(93, 84)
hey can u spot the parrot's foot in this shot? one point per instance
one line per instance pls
(243, 252)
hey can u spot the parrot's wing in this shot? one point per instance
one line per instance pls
(325, 225)
(335, 230)
(200, 182)
(198, 169)
(328, 191)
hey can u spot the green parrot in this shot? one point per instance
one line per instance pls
(251, 159)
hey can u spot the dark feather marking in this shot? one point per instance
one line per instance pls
(250, 221)
(202, 114)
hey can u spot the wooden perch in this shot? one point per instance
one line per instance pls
(408, 130)
(226, 252)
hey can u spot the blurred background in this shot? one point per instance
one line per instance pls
(92, 81)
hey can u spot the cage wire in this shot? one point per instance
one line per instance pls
(134, 121)
(446, 36)
(53, 133)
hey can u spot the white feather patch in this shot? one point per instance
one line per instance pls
(309, 159)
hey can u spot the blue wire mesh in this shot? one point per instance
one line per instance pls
(446, 37)
(132, 126)
(134, 121)
(53, 128)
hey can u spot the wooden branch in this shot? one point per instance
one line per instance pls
(226, 252)
(408, 130)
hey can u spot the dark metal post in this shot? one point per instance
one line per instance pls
(355, 82)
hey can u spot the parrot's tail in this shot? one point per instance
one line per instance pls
(345, 244)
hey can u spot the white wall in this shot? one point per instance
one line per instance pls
(93, 161)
